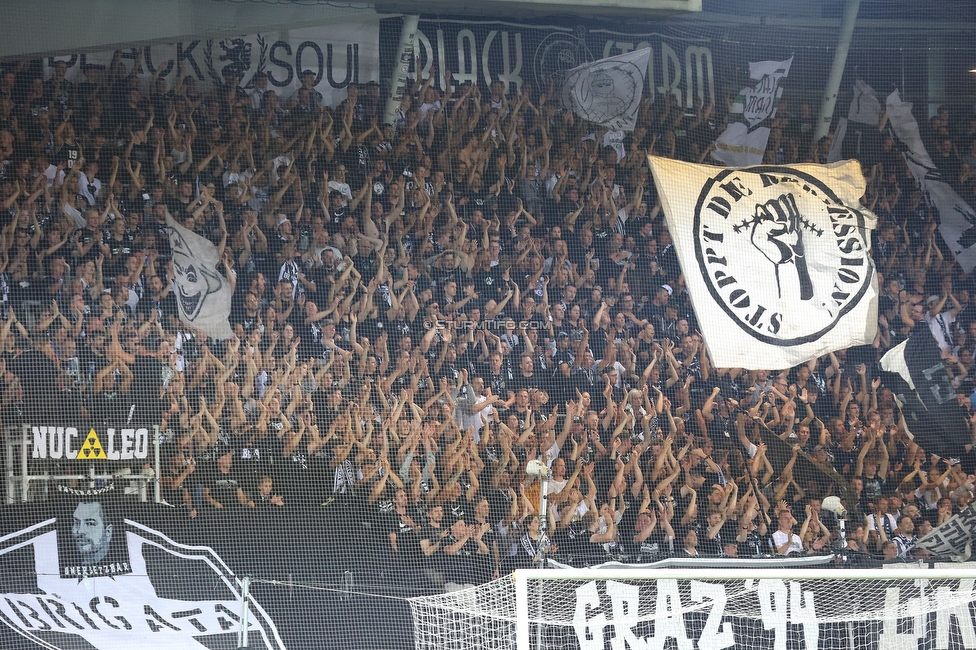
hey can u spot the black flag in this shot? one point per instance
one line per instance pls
(921, 382)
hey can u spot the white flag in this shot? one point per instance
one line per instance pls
(202, 293)
(776, 259)
(608, 92)
(740, 146)
(957, 221)
(761, 101)
(744, 143)
(865, 107)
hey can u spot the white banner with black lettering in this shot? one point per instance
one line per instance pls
(744, 142)
(344, 51)
(803, 611)
(957, 220)
(202, 293)
(777, 259)
(954, 537)
(609, 91)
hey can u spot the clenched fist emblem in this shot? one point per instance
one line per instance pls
(777, 233)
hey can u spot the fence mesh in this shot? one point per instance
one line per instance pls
(248, 329)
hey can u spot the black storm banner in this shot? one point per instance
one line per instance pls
(518, 54)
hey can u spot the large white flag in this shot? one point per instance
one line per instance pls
(777, 259)
(743, 143)
(608, 91)
(957, 221)
(202, 293)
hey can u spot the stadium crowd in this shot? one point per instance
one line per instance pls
(421, 310)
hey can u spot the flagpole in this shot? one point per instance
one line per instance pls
(837, 69)
(405, 55)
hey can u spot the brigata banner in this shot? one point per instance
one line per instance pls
(481, 52)
(776, 258)
(343, 52)
(90, 578)
(91, 569)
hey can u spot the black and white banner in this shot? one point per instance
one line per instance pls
(954, 538)
(538, 54)
(90, 569)
(346, 51)
(777, 259)
(957, 220)
(89, 578)
(767, 613)
(744, 142)
(202, 293)
(922, 383)
(609, 91)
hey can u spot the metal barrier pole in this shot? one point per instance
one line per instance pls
(245, 593)
(158, 477)
(24, 482)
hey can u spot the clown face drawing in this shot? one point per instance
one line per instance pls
(194, 281)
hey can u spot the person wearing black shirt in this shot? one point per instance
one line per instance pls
(37, 372)
(223, 486)
(482, 510)
(645, 540)
(109, 400)
(468, 558)
(502, 498)
(497, 378)
(265, 496)
(526, 378)
(432, 537)
(716, 536)
(149, 370)
(247, 315)
(753, 538)
(160, 300)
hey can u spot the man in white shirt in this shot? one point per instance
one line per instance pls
(882, 522)
(88, 185)
(785, 541)
(941, 322)
(476, 404)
